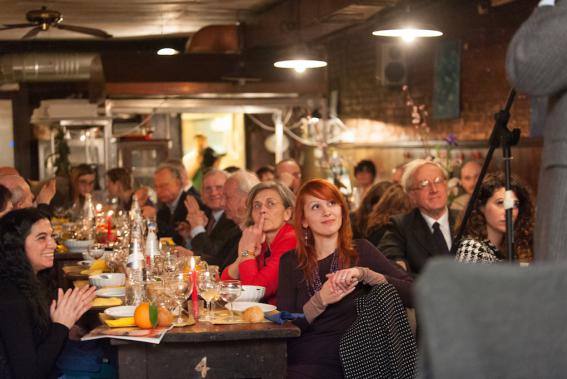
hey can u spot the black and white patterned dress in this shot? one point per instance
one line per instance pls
(474, 251)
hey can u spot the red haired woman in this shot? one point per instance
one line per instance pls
(324, 276)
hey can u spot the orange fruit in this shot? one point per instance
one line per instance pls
(165, 318)
(146, 316)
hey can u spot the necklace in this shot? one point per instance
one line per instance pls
(315, 285)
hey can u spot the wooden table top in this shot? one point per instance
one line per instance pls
(205, 331)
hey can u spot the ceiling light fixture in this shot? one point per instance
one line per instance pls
(300, 60)
(407, 30)
(167, 51)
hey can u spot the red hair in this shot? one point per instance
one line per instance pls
(306, 254)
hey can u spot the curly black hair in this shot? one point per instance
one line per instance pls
(523, 227)
(15, 267)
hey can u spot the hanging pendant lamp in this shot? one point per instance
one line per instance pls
(300, 58)
(408, 29)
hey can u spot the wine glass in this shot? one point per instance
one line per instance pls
(180, 287)
(95, 251)
(209, 289)
(229, 291)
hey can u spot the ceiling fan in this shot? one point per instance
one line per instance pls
(42, 19)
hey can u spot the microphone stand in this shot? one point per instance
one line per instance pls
(506, 138)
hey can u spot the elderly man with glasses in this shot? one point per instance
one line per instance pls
(427, 230)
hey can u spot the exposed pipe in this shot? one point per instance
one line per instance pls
(49, 67)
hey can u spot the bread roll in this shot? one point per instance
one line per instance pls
(253, 314)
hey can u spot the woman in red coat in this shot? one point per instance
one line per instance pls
(267, 237)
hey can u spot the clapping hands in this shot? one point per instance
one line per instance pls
(71, 305)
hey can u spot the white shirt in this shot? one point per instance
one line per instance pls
(546, 2)
(443, 225)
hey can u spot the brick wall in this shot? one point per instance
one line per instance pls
(367, 105)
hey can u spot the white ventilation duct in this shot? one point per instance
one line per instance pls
(49, 67)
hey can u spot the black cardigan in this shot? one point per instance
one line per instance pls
(23, 353)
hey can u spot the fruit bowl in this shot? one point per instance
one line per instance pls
(77, 246)
(108, 280)
(251, 293)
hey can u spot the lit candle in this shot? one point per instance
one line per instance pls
(109, 226)
(194, 294)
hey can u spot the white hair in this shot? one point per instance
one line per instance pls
(245, 180)
(411, 168)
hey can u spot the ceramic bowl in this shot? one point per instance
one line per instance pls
(108, 280)
(78, 246)
(251, 293)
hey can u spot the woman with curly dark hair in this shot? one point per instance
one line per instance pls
(32, 332)
(484, 236)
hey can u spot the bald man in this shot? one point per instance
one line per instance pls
(22, 196)
(288, 172)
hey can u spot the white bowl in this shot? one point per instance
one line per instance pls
(108, 280)
(111, 292)
(77, 246)
(251, 294)
(241, 306)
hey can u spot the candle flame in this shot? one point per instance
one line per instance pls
(110, 213)
(192, 263)
(98, 207)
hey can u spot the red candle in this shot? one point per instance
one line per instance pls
(194, 294)
(109, 226)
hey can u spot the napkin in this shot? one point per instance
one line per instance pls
(283, 316)
(106, 302)
(120, 322)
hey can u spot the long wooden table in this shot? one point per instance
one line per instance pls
(232, 351)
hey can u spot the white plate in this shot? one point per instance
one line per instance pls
(111, 292)
(121, 311)
(241, 306)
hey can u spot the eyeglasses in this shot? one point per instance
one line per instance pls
(270, 204)
(428, 183)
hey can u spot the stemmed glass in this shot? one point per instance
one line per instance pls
(180, 287)
(209, 289)
(229, 291)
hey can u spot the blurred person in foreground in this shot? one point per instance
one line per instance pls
(323, 277)
(535, 65)
(268, 236)
(33, 330)
(484, 238)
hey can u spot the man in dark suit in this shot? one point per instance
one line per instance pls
(427, 230)
(171, 209)
(213, 236)
(536, 61)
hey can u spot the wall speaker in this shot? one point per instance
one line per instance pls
(391, 68)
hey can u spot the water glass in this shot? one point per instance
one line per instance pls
(229, 291)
